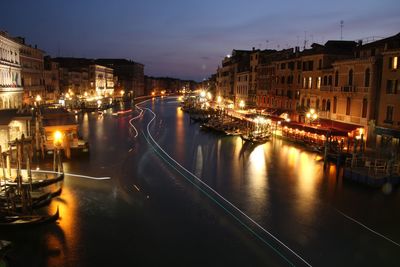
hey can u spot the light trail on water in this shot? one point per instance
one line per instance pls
(169, 160)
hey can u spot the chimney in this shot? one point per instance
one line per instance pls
(254, 48)
(359, 43)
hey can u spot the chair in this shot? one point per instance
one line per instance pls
(369, 164)
(380, 166)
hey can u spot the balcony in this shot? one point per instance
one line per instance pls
(326, 88)
(347, 89)
(363, 89)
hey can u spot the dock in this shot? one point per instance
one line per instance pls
(372, 172)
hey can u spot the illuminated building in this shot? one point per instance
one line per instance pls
(11, 90)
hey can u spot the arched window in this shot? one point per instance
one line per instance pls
(317, 104)
(308, 102)
(367, 77)
(348, 104)
(330, 80)
(323, 104)
(336, 78)
(364, 108)
(302, 102)
(351, 77)
(325, 80)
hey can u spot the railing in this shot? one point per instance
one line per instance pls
(347, 89)
(326, 88)
(363, 89)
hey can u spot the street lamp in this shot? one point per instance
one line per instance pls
(122, 92)
(241, 104)
(37, 100)
(219, 100)
(311, 115)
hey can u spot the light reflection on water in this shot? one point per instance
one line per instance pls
(180, 134)
(67, 204)
(199, 162)
(257, 177)
(306, 173)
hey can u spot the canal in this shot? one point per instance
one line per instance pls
(180, 196)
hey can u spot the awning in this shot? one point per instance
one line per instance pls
(348, 127)
(315, 129)
(387, 131)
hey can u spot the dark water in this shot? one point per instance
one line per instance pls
(153, 213)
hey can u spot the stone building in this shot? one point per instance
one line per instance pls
(101, 80)
(32, 63)
(387, 128)
(11, 90)
(51, 79)
(130, 74)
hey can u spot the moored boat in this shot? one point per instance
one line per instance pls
(11, 221)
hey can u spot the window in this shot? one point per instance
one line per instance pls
(282, 79)
(317, 104)
(298, 65)
(320, 64)
(348, 104)
(298, 78)
(330, 80)
(389, 114)
(325, 80)
(336, 78)
(391, 86)
(304, 82)
(319, 82)
(309, 82)
(367, 77)
(350, 77)
(394, 65)
(323, 104)
(310, 65)
(364, 108)
(283, 66)
(308, 102)
(334, 104)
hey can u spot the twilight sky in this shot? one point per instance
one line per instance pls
(186, 38)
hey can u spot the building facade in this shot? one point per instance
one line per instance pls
(32, 63)
(101, 80)
(51, 79)
(388, 121)
(130, 74)
(11, 90)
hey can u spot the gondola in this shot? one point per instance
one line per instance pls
(259, 139)
(27, 220)
(40, 183)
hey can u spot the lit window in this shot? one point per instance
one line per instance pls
(394, 64)
(309, 82)
(319, 83)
